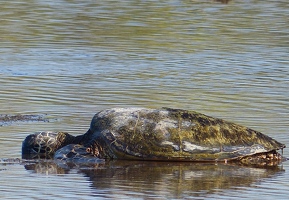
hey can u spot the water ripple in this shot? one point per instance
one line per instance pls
(68, 60)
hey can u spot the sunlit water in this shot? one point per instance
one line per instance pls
(70, 59)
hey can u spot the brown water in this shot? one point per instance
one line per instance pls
(67, 60)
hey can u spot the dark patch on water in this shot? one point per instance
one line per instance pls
(6, 120)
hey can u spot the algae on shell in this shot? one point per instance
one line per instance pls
(174, 134)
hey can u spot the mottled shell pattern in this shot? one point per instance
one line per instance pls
(173, 134)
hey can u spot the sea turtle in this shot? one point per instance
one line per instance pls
(157, 134)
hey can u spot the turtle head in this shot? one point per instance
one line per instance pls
(44, 144)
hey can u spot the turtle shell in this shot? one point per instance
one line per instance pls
(174, 134)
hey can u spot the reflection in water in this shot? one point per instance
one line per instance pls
(223, 1)
(172, 178)
(71, 59)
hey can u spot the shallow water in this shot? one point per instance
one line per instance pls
(68, 60)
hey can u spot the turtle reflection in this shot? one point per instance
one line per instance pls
(172, 178)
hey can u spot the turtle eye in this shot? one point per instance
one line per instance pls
(88, 150)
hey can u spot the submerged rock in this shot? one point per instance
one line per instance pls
(8, 119)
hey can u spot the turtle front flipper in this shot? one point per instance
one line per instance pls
(44, 144)
(78, 153)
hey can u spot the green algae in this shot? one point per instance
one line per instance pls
(185, 135)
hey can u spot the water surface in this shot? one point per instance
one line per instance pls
(67, 60)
